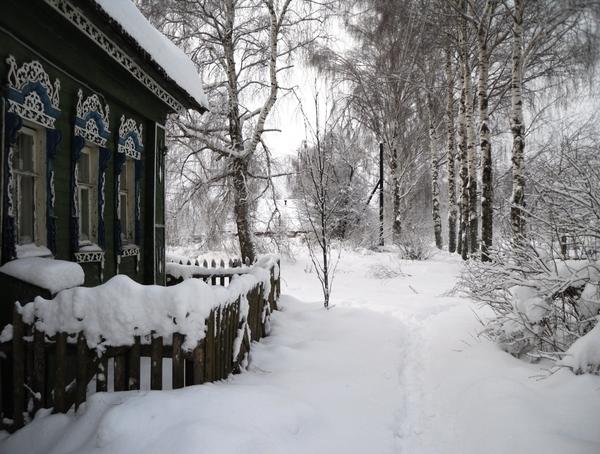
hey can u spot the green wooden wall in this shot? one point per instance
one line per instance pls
(31, 30)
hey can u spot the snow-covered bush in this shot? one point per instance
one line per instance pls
(542, 302)
(415, 245)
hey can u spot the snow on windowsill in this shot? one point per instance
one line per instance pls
(48, 273)
(32, 250)
(89, 247)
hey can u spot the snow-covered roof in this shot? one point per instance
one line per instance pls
(171, 59)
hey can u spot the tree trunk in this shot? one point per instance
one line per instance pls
(435, 186)
(397, 225)
(452, 209)
(484, 137)
(240, 169)
(463, 143)
(517, 216)
(473, 221)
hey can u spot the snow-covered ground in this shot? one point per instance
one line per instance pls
(394, 367)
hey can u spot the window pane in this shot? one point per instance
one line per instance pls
(124, 177)
(84, 168)
(23, 154)
(25, 209)
(123, 214)
(84, 213)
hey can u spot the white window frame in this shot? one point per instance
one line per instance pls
(91, 236)
(39, 181)
(127, 190)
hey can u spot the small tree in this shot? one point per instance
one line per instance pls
(320, 198)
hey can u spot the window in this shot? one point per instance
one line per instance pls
(87, 187)
(127, 202)
(29, 191)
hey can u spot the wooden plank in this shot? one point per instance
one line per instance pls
(198, 356)
(228, 339)
(39, 369)
(133, 366)
(189, 370)
(177, 362)
(60, 373)
(18, 353)
(81, 376)
(102, 375)
(210, 347)
(218, 344)
(120, 372)
(156, 364)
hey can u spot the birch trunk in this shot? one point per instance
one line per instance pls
(397, 225)
(484, 135)
(452, 208)
(517, 217)
(473, 220)
(435, 186)
(242, 218)
(463, 142)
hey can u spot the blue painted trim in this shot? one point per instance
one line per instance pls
(13, 124)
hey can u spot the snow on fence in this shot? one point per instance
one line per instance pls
(56, 349)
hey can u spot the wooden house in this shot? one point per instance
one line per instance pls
(86, 89)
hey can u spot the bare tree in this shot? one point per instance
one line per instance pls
(241, 47)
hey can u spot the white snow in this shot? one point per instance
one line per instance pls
(584, 355)
(32, 250)
(394, 367)
(527, 302)
(167, 55)
(53, 275)
(113, 313)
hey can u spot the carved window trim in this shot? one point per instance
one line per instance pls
(32, 97)
(92, 128)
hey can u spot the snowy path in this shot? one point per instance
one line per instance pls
(393, 367)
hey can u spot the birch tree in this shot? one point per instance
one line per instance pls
(451, 150)
(435, 185)
(241, 47)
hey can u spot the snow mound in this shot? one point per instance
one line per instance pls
(584, 355)
(53, 275)
(113, 313)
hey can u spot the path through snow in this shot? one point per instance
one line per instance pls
(394, 367)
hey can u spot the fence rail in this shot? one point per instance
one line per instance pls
(57, 372)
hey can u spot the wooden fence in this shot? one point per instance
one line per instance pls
(56, 372)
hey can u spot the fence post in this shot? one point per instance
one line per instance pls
(156, 363)
(18, 368)
(39, 369)
(60, 372)
(134, 364)
(198, 355)
(102, 374)
(120, 372)
(82, 369)
(177, 362)
(210, 347)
